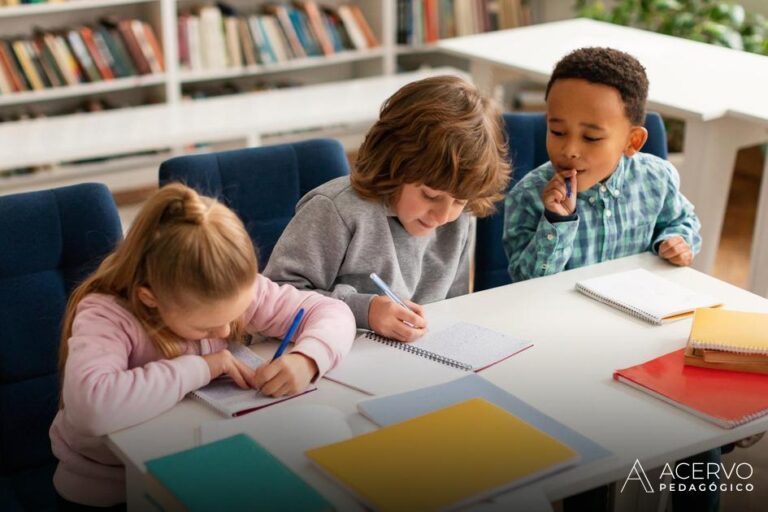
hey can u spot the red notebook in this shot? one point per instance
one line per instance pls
(725, 398)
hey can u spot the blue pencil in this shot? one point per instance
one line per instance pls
(289, 334)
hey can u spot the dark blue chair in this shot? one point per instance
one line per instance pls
(527, 136)
(49, 241)
(262, 184)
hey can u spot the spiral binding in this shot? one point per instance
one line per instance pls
(418, 351)
(637, 313)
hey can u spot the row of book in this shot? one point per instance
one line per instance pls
(10, 3)
(217, 37)
(427, 21)
(114, 48)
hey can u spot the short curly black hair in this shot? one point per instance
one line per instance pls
(609, 67)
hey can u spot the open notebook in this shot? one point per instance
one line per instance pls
(230, 400)
(644, 295)
(377, 365)
(446, 458)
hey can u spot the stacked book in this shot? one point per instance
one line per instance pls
(729, 340)
(113, 48)
(219, 37)
(427, 21)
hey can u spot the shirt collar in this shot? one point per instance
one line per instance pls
(614, 183)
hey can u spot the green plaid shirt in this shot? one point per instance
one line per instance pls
(635, 209)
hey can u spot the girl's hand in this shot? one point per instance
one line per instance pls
(286, 375)
(224, 363)
(389, 319)
(555, 193)
(676, 251)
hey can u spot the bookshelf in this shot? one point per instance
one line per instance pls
(176, 82)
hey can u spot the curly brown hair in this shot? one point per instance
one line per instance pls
(607, 66)
(439, 132)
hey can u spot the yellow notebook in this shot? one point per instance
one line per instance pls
(446, 458)
(730, 331)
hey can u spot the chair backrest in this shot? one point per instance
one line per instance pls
(262, 185)
(49, 241)
(527, 136)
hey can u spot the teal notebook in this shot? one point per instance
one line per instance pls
(234, 474)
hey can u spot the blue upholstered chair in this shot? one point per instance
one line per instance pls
(49, 241)
(527, 135)
(262, 184)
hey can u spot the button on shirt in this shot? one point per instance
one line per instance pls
(635, 209)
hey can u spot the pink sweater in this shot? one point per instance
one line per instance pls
(115, 378)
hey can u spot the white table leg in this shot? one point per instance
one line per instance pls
(758, 278)
(710, 155)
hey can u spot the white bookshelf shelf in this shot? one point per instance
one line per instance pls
(289, 65)
(82, 90)
(65, 6)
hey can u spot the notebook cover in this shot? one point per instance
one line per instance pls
(388, 410)
(733, 331)
(722, 397)
(234, 474)
(450, 457)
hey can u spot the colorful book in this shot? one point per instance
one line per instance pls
(378, 365)
(727, 399)
(730, 331)
(448, 458)
(234, 474)
(388, 410)
(230, 400)
(645, 295)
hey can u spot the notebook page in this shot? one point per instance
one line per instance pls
(375, 369)
(224, 395)
(646, 292)
(471, 344)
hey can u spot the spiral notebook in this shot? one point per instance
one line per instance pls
(727, 399)
(228, 398)
(741, 332)
(378, 365)
(646, 296)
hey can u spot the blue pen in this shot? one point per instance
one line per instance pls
(389, 293)
(289, 334)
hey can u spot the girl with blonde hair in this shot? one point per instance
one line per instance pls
(152, 323)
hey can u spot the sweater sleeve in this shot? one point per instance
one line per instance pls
(101, 394)
(460, 285)
(326, 332)
(310, 252)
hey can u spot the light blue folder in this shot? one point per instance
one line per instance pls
(391, 409)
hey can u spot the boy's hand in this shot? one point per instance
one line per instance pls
(286, 375)
(224, 363)
(676, 251)
(555, 193)
(389, 319)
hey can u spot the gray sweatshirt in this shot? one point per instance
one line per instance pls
(336, 239)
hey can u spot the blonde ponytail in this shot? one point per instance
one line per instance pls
(181, 244)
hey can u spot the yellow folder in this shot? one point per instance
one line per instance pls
(446, 458)
(730, 331)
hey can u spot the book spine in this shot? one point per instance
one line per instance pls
(418, 351)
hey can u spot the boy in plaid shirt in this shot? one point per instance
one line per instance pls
(598, 198)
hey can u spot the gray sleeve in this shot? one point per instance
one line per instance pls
(460, 285)
(310, 252)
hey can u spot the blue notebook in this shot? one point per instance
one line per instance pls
(233, 474)
(388, 410)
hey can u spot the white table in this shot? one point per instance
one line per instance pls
(567, 374)
(720, 93)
